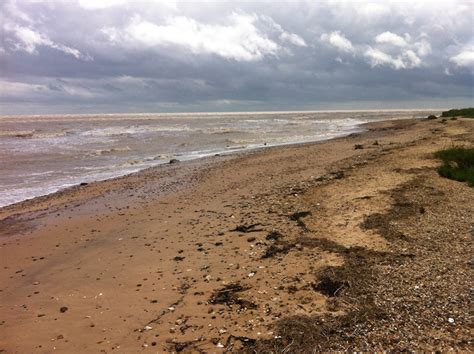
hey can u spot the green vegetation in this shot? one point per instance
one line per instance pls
(458, 164)
(463, 112)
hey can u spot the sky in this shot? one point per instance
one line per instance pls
(116, 56)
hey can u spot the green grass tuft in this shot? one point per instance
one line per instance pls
(462, 112)
(458, 164)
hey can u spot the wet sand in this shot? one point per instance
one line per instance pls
(225, 252)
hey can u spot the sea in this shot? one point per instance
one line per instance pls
(42, 154)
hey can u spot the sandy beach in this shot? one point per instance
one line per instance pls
(354, 243)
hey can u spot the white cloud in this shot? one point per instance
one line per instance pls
(293, 39)
(411, 59)
(19, 89)
(15, 12)
(398, 52)
(423, 47)
(240, 39)
(13, 89)
(285, 36)
(406, 60)
(392, 39)
(100, 4)
(465, 58)
(336, 39)
(104, 4)
(29, 40)
(372, 10)
(379, 58)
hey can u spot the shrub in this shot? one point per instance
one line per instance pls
(458, 164)
(462, 112)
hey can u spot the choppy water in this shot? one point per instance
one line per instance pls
(42, 154)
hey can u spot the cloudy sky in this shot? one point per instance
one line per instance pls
(86, 56)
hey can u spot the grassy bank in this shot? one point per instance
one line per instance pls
(458, 164)
(463, 112)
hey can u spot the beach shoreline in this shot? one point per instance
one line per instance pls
(47, 154)
(199, 255)
(361, 129)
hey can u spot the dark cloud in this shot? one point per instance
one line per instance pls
(155, 56)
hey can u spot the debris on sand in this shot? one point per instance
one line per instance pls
(238, 341)
(273, 236)
(178, 347)
(228, 295)
(297, 216)
(247, 228)
(329, 286)
(273, 250)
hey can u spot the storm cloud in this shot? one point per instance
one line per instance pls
(170, 56)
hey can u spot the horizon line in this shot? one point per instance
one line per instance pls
(213, 113)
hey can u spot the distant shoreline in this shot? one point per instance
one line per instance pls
(226, 113)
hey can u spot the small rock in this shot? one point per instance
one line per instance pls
(63, 309)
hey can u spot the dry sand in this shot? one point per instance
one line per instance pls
(309, 247)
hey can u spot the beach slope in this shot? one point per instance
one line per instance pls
(350, 244)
